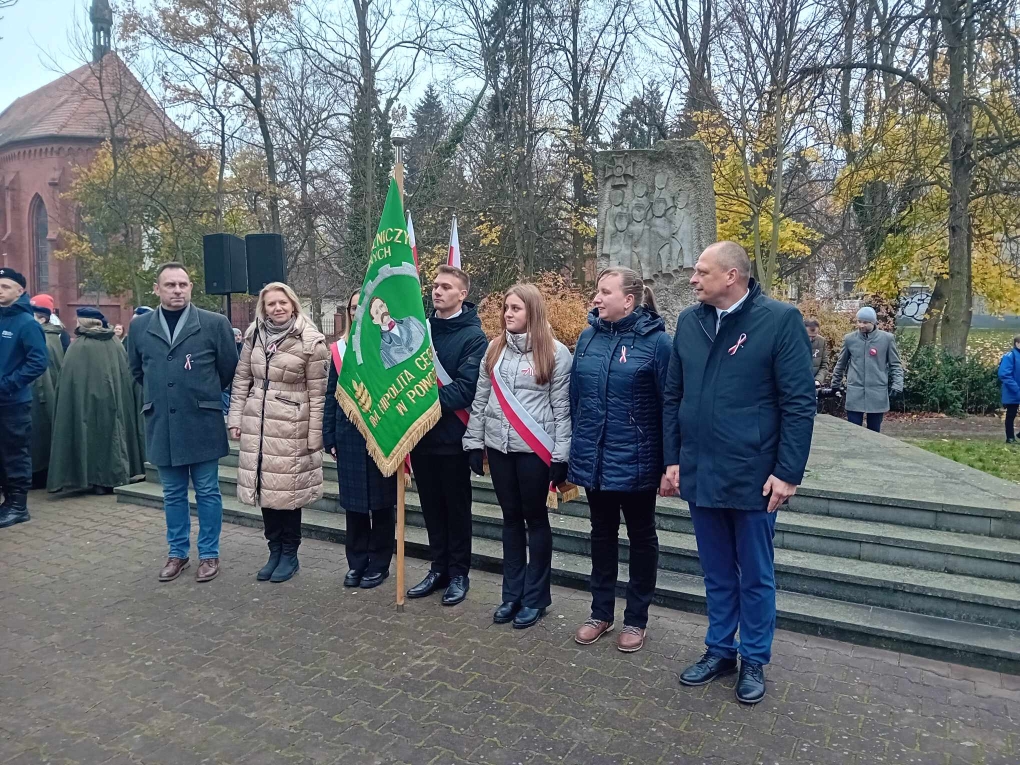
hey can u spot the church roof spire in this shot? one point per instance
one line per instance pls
(102, 28)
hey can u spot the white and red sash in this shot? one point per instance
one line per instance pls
(337, 349)
(526, 426)
(444, 379)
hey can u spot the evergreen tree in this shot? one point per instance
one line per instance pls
(371, 156)
(431, 125)
(642, 122)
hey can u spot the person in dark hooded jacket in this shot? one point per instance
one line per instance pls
(440, 464)
(738, 416)
(96, 441)
(23, 358)
(616, 386)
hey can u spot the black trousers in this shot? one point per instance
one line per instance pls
(370, 539)
(638, 509)
(282, 527)
(521, 481)
(874, 419)
(15, 449)
(444, 488)
(1010, 420)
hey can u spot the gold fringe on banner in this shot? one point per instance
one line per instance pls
(388, 465)
(569, 491)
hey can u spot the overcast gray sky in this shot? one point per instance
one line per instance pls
(35, 46)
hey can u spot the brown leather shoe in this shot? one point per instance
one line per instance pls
(208, 568)
(591, 631)
(173, 568)
(631, 639)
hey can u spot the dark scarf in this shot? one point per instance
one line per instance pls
(273, 334)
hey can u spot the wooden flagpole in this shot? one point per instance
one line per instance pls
(398, 176)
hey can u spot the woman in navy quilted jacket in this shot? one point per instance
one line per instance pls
(616, 388)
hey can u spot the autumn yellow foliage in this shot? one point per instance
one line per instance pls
(907, 152)
(566, 304)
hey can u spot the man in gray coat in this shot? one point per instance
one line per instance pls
(183, 357)
(871, 364)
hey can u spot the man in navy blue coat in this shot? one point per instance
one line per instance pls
(739, 408)
(23, 358)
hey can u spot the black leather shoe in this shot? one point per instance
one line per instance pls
(751, 683)
(368, 581)
(707, 669)
(433, 581)
(15, 510)
(528, 617)
(506, 612)
(457, 591)
(353, 578)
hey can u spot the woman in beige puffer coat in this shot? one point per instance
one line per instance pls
(276, 405)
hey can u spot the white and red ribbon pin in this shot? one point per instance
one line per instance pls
(187, 362)
(740, 341)
(623, 355)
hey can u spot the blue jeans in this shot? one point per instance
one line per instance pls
(735, 549)
(205, 478)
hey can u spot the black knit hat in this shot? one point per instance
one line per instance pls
(14, 276)
(89, 312)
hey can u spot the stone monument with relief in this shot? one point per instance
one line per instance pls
(656, 215)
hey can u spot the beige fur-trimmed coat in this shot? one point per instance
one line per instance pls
(281, 420)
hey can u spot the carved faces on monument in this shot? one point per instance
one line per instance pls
(649, 230)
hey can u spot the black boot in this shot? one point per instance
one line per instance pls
(275, 551)
(16, 510)
(288, 564)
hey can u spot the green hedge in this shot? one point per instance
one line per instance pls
(938, 382)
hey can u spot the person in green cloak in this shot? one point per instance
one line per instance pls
(96, 443)
(44, 391)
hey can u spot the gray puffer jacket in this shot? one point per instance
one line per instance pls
(872, 367)
(549, 404)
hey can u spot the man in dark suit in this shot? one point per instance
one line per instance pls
(739, 409)
(183, 357)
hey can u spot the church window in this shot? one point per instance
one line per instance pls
(41, 245)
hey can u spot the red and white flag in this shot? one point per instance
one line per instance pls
(410, 236)
(454, 257)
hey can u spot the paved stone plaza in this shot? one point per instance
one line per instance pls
(99, 663)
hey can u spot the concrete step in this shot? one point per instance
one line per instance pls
(977, 645)
(953, 596)
(868, 541)
(921, 513)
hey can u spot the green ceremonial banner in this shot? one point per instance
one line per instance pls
(387, 385)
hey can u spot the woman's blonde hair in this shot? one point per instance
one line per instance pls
(85, 322)
(632, 284)
(260, 307)
(543, 344)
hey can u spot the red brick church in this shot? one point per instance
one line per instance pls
(44, 137)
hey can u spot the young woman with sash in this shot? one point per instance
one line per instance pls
(369, 499)
(521, 416)
(616, 398)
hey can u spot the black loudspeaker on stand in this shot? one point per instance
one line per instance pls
(226, 267)
(265, 261)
